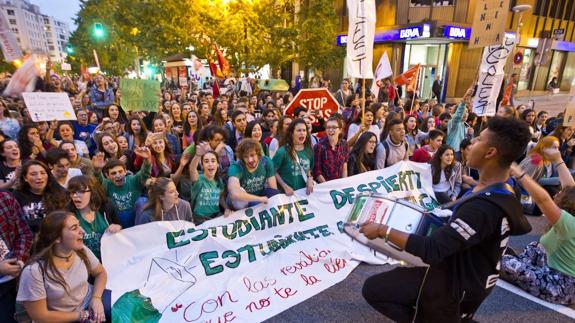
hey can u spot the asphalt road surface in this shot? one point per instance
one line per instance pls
(343, 302)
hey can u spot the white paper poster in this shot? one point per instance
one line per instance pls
(8, 42)
(48, 106)
(360, 37)
(491, 75)
(255, 263)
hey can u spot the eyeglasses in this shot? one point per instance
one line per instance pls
(78, 192)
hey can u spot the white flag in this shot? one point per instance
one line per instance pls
(360, 36)
(382, 71)
(491, 74)
(8, 42)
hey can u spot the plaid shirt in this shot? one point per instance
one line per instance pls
(329, 162)
(13, 228)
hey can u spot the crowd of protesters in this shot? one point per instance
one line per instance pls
(198, 157)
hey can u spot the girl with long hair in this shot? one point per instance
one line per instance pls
(164, 204)
(93, 210)
(221, 117)
(362, 155)
(54, 285)
(136, 132)
(254, 130)
(208, 187)
(163, 161)
(566, 142)
(30, 143)
(215, 136)
(412, 134)
(535, 163)
(177, 119)
(293, 161)
(38, 193)
(107, 144)
(10, 161)
(192, 126)
(116, 115)
(160, 126)
(446, 175)
(283, 124)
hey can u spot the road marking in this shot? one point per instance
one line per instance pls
(567, 311)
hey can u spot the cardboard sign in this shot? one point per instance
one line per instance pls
(139, 95)
(318, 101)
(488, 27)
(48, 106)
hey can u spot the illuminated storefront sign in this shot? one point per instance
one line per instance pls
(407, 33)
(455, 32)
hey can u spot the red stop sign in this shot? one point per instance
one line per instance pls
(319, 100)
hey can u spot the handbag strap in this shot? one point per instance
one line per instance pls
(302, 172)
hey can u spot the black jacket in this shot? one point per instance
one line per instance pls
(464, 255)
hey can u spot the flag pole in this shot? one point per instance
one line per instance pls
(363, 100)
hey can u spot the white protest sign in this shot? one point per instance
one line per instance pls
(491, 75)
(48, 106)
(254, 264)
(8, 42)
(360, 37)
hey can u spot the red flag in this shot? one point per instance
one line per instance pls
(215, 89)
(507, 95)
(409, 77)
(214, 69)
(224, 65)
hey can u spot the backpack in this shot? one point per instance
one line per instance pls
(386, 147)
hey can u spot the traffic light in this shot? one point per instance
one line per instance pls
(69, 49)
(98, 30)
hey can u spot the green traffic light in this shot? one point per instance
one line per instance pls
(69, 49)
(98, 30)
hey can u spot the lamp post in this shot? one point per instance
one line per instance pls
(520, 9)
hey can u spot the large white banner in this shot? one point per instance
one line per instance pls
(360, 37)
(8, 42)
(491, 75)
(255, 263)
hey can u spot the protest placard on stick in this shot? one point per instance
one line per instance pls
(139, 95)
(488, 27)
(47, 106)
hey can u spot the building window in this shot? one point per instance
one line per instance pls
(51, 47)
(12, 21)
(11, 12)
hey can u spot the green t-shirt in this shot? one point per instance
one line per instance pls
(205, 196)
(559, 243)
(289, 170)
(254, 183)
(93, 232)
(124, 198)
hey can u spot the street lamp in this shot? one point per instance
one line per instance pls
(521, 9)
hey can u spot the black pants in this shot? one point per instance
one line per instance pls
(394, 294)
(8, 301)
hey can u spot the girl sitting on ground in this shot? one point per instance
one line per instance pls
(546, 267)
